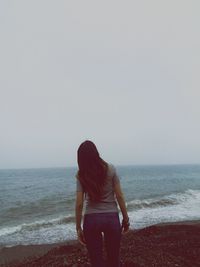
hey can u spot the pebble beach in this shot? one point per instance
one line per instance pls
(168, 244)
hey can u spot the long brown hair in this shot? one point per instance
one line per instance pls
(92, 170)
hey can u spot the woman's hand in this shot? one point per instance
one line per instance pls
(81, 237)
(125, 225)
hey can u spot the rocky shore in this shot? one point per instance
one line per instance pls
(163, 245)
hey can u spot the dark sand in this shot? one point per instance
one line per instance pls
(170, 244)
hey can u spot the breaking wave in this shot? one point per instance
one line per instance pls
(144, 212)
(168, 200)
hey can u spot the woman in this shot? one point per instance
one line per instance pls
(98, 184)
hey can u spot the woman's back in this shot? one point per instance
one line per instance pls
(107, 202)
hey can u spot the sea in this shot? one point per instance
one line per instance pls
(37, 205)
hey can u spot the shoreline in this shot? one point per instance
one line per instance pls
(20, 253)
(164, 244)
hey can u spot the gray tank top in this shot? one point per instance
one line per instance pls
(108, 201)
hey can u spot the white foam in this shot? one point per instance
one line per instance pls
(187, 207)
(9, 230)
(167, 200)
(35, 225)
(169, 208)
(57, 233)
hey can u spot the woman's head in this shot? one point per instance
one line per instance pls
(87, 155)
(92, 169)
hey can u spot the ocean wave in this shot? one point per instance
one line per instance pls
(183, 207)
(37, 206)
(167, 200)
(188, 197)
(37, 225)
(168, 208)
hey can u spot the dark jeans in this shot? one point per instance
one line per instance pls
(94, 225)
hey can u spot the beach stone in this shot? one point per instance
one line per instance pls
(157, 246)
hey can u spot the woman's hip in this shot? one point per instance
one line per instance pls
(101, 221)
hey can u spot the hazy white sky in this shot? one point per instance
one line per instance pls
(124, 74)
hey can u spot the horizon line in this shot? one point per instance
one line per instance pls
(115, 164)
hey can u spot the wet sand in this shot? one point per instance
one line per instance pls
(170, 244)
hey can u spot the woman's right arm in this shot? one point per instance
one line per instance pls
(122, 205)
(78, 212)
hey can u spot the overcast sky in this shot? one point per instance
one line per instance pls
(124, 74)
